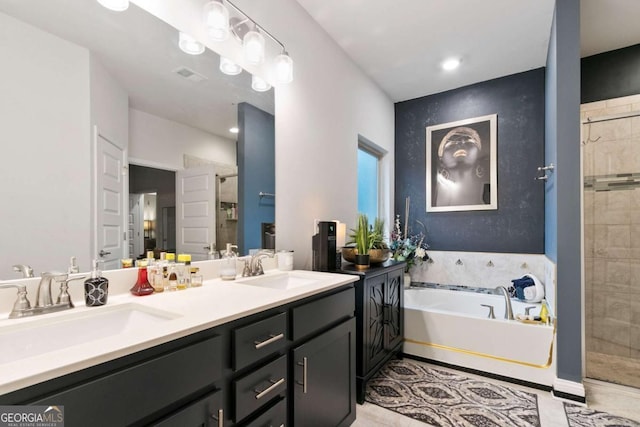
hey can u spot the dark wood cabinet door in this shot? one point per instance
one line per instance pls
(324, 378)
(205, 412)
(394, 317)
(374, 343)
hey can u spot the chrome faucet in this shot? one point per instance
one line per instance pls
(22, 304)
(26, 270)
(43, 296)
(254, 267)
(508, 311)
(44, 301)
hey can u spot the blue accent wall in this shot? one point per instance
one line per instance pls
(517, 226)
(256, 173)
(563, 233)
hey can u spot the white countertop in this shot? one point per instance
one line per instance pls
(190, 311)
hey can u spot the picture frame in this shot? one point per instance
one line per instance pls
(461, 165)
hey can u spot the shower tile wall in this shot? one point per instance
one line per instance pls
(612, 242)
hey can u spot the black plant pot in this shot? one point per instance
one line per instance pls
(362, 261)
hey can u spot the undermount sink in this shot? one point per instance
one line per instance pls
(50, 334)
(289, 280)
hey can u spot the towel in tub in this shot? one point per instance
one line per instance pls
(528, 288)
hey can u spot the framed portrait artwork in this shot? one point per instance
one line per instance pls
(462, 166)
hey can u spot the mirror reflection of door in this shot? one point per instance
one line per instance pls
(136, 221)
(158, 191)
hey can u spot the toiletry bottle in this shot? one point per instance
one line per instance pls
(181, 267)
(228, 268)
(142, 286)
(96, 288)
(173, 278)
(544, 311)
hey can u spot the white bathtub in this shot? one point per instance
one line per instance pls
(452, 327)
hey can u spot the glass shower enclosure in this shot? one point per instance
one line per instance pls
(611, 218)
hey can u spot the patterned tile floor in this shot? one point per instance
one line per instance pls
(617, 400)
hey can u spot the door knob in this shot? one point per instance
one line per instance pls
(103, 253)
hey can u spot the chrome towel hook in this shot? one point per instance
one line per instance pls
(545, 169)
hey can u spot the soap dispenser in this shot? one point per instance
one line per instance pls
(228, 270)
(96, 288)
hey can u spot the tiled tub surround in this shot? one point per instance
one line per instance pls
(485, 270)
(466, 338)
(611, 160)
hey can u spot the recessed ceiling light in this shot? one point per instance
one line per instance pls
(451, 64)
(116, 5)
(234, 130)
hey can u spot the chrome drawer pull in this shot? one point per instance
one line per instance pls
(273, 385)
(304, 375)
(220, 418)
(272, 338)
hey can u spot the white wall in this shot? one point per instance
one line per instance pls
(318, 119)
(158, 142)
(110, 115)
(44, 132)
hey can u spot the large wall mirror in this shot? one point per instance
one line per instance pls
(88, 93)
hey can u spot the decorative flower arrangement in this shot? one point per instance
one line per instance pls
(409, 248)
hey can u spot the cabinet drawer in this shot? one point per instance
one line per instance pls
(257, 388)
(204, 412)
(258, 340)
(143, 389)
(276, 416)
(311, 317)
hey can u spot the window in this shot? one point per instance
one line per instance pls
(368, 182)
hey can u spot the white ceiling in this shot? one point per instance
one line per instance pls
(400, 44)
(141, 52)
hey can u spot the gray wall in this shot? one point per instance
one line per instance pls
(518, 224)
(562, 147)
(256, 173)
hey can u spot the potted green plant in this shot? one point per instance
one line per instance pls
(362, 237)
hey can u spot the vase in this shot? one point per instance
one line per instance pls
(142, 286)
(362, 261)
(407, 280)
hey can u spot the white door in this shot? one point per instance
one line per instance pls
(136, 237)
(110, 201)
(195, 211)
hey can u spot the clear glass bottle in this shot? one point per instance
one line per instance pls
(228, 268)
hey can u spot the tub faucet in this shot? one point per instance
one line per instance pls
(508, 311)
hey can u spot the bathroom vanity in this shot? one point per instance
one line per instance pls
(273, 350)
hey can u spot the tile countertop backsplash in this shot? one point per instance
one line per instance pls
(485, 270)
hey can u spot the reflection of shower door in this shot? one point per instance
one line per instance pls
(611, 194)
(227, 220)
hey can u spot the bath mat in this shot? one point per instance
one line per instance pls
(579, 416)
(440, 398)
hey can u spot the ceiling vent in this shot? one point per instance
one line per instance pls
(189, 74)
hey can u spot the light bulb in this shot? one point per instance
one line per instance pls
(253, 46)
(116, 5)
(259, 85)
(284, 68)
(216, 20)
(451, 64)
(190, 45)
(234, 130)
(229, 67)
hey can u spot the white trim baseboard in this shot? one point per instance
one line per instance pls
(568, 389)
